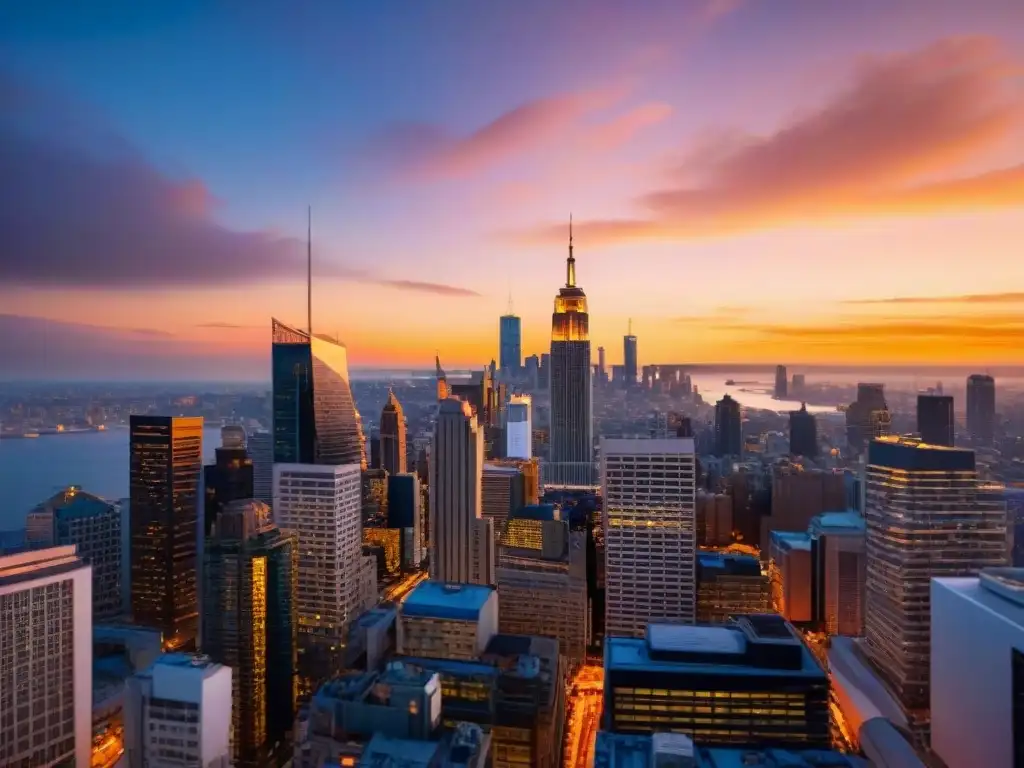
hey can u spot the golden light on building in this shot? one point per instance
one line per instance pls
(389, 539)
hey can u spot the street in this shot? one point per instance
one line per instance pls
(585, 698)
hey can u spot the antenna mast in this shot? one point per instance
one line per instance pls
(309, 270)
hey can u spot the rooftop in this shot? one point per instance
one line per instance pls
(909, 454)
(996, 590)
(848, 520)
(501, 469)
(186, 661)
(792, 539)
(38, 564)
(460, 602)
(73, 502)
(721, 563)
(537, 512)
(615, 750)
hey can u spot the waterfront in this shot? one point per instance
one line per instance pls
(33, 469)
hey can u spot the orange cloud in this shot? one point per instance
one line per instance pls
(877, 148)
(624, 127)
(972, 298)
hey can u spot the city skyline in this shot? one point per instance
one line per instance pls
(811, 184)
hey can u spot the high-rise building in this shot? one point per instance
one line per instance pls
(803, 433)
(730, 585)
(249, 623)
(790, 573)
(532, 368)
(392, 437)
(229, 479)
(510, 343)
(602, 369)
(459, 550)
(315, 416)
(322, 506)
(45, 658)
(867, 417)
(261, 451)
(981, 408)
(629, 357)
(797, 495)
(93, 526)
(781, 382)
(166, 462)
(178, 712)
(838, 572)
(502, 493)
(728, 428)
(649, 489)
(927, 516)
(571, 453)
(714, 519)
(404, 515)
(799, 383)
(542, 579)
(935, 419)
(519, 427)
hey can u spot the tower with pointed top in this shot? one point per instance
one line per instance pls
(392, 436)
(442, 380)
(571, 457)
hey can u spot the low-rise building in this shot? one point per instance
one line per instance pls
(730, 585)
(447, 621)
(673, 750)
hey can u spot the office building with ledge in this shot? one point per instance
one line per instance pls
(45, 658)
(649, 492)
(447, 621)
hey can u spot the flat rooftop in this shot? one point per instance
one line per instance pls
(38, 564)
(724, 563)
(438, 599)
(614, 750)
(800, 540)
(997, 590)
(847, 520)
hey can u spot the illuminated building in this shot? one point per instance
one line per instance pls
(461, 539)
(571, 453)
(649, 488)
(250, 623)
(502, 493)
(519, 427)
(229, 479)
(706, 682)
(714, 519)
(166, 462)
(392, 437)
(797, 495)
(542, 579)
(730, 585)
(45, 658)
(781, 382)
(375, 498)
(93, 526)
(404, 516)
(510, 343)
(261, 451)
(389, 540)
(935, 423)
(803, 433)
(629, 357)
(315, 416)
(442, 380)
(178, 712)
(789, 567)
(867, 417)
(839, 572)
(981, 408)
(447, 621)
(728, 428)
(927, 516)
(321, 505)
(977, 669)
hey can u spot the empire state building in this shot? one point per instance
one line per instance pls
(571, 457)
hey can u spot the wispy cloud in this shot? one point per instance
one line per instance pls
(624, 127)
(971, 298)
(438, 289)
(876, 148)
(226, 326)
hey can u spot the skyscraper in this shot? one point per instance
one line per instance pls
(461, 540)
(649, 492)
(728, 428)
(315, 416)
(229, 479)
(510, 343)
(45, 658)
(781, 382)
(629, 357)
(803, 433)
(392, 437)
(927, 516)
(519, 427)
(571, 455)
(602, 371)
(404, 515)
(249, 623)
(166, 462)
(867, 417)
(935, 419)
(261, 451)
(981, 408)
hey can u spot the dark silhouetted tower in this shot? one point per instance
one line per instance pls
(510, 342)
(728, 428)
(935, 419)
(230, 478)
(781, 383)
(629, 356)
(981, 407)
(803, 433)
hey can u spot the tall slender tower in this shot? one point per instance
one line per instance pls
(571, 458)
(510, 342)
(629, 356)
(392, 436)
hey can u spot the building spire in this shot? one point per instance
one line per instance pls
(509, 302)
(570, 263)
(309, 270)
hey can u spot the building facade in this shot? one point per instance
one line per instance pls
(166, 458)
(728, 428)
(629, 359)
(981, 408)
(935, 423)
(730, 585)
(519, 427)
(649, 492)
(261, 450)
(781, 382)
(510, 343)
(393, 449)
(45, 658)
(803, 433)
(839, 572)
(404, 515)
(229, 478)
(441, 620)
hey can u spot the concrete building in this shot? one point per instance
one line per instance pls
(927, 515)
(465, 746)
(178, 712)
(704, 681)
(393, 448)
(789, 569)
(92, 525)
(322, 506)
(935, 422)
(981, 408)
(730, 585)
(798, 494)
(542, 580)
(45, 658)
(977, 669)
(459, 535)
(447, 621)
(714, 519)
(838, 572)
(649, 492)
(502, 493)
(519, 427)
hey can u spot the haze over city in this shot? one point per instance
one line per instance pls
(750, 181)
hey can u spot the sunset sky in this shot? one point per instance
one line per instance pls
(777, 181)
